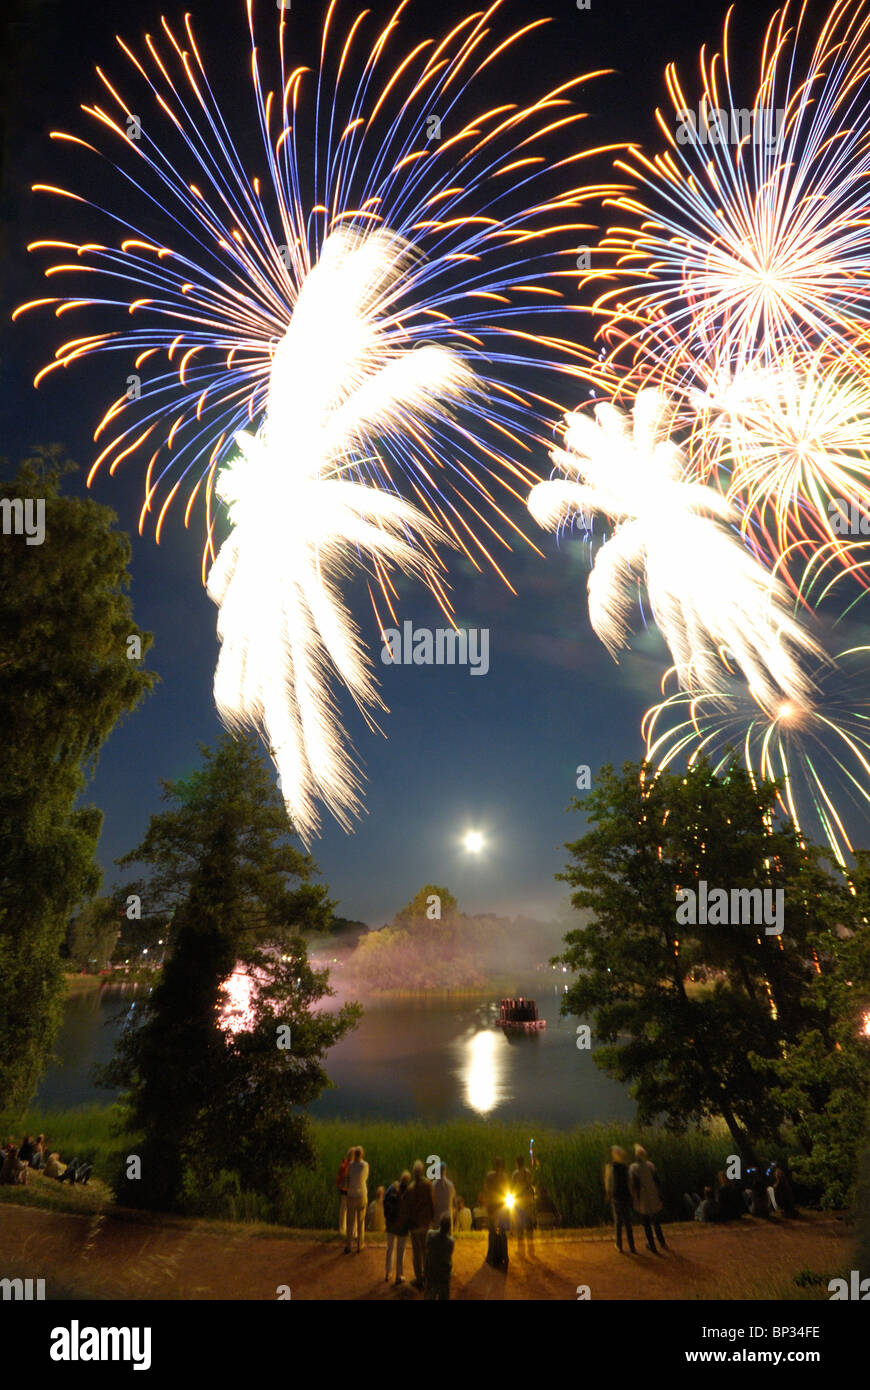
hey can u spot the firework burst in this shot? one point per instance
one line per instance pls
(816, 750)
(706, 589)
(746, 240)
(311, 332)
(377, 136)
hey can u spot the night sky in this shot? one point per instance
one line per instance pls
(496, 753)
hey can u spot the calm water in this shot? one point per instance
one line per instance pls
(409, 1059)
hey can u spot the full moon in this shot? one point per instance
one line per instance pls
(473, 842)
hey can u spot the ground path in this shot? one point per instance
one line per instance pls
(105, 1255)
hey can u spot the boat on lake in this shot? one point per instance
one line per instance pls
(520, 1014)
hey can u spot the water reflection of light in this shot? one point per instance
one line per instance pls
(483, 1071)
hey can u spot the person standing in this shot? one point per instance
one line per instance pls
(618, 1189)
(443, 1195)
(524, 1201)
(357, 1200)
(419, 1205)
(397, 1229)
(439, 1261)
(341, 1184)
(495, 1191)
(644, 1182)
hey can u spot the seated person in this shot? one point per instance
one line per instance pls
(547, 1215)
(375, 1220)
(759, 1202)
(13, 1170)
(478, 1215)
(729, 1198)
(53, 1166)
(707, 1209)
(76, 1171)
(462, 1218)
(783, 1193)
(694, 1197)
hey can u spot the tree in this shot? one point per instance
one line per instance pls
(208, 1093)
(66, 677)
(687, 1052)
(431, 903)
(823, 1079)
(91, 936)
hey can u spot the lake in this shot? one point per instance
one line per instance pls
(427, 1058)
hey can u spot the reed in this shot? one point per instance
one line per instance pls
(569, 1162)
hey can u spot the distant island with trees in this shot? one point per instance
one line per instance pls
(431, 945)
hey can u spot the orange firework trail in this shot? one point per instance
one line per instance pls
(737, 279)
(375, 136)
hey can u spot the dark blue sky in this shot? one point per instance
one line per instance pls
(496, 753)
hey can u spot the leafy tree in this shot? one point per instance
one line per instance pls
(212, 1096)
(91, 935)
(419, 907)
(692, 1055)
(823, 1078)
(348, 930)
(65, 680)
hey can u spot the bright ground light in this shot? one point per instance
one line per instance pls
(473, 842)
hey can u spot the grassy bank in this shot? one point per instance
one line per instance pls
(570, 1161)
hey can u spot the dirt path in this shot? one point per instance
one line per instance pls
(106, 1256)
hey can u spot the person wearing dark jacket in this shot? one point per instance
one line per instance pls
(418, 1208)
(439, 1261)
(496, 1189)
(729, 1198)
(397, 1231)
(618, 1189)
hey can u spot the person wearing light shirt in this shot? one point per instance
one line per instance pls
(443, 1195)
(357, 1200)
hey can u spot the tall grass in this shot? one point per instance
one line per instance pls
(87, 1132)
(570, 1162)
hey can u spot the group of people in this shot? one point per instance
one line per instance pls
(634, 1190)
(509, 1203)
(17, 1161)
(411, 1205)
(767, 1189)
(429, 1212)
